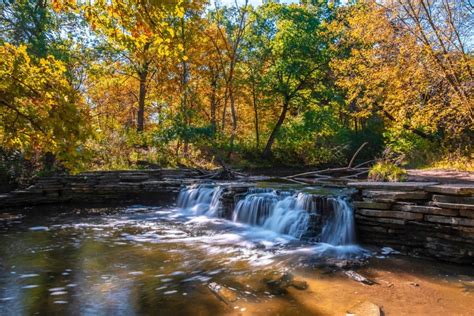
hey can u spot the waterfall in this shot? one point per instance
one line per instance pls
(287, 213)
(200, 199)
(255, 207)
(281, 212)
(339, 228)
(290, 216)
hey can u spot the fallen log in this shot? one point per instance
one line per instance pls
(349, 172)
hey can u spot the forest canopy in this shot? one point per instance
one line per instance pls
(127, 84)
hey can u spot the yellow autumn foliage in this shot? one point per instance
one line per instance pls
(40, 111)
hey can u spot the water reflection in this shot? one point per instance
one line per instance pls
(137, 260)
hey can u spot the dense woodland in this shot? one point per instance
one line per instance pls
(140, 83)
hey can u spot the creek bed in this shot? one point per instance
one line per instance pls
(168, 261)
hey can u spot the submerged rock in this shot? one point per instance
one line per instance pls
(345, 263)
(222, 293)
(279, 285)
(358, 277)
(299, 285)
(365, 308)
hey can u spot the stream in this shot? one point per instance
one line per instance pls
(185, 259)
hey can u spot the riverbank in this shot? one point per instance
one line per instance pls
(404, 286)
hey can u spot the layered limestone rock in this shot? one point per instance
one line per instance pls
(426, 219)
(101, 187)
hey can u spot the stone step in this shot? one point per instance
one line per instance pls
(453, 189)
(390, 214)
(425, 209)
(455, 206)
(395, 186)
(453, 199)
(395, 195)
(450, 220)
(372, 205)
(466, 213)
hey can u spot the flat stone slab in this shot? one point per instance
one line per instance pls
(377, 221)
(395, 186)
(455, 206)
(449, 220)
(396, 195)
(453, 199)
(391, 214)
(372, 205)
(466, 213)
(425, 209)
(454, 189)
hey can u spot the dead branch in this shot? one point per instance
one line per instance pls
(356, 153)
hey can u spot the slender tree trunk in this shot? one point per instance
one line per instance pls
(224, 110)
(234, 120)
(267, 152)
(255, 110)
(230, 85)
(141, 101)
(213, 100)
(185, 87)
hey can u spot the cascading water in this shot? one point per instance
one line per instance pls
(255, 207)
(281, 212)
(290, 215)
(339, 229)
(200, 199)
(287, 213)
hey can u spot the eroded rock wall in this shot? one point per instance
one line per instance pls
(425, 219)
(101, 187)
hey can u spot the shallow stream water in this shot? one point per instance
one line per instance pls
(166, 260)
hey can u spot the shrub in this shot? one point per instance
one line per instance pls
(385, 171)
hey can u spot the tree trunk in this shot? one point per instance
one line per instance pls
(185, 87)
(255, 110)
(213, 100)
(224, 110)
(141, 101)
(267, 153)
(234, 121)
